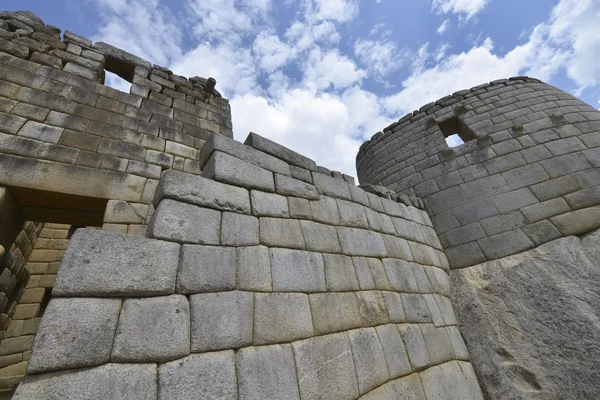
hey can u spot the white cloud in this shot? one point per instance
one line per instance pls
(330, 69)
(465, 8)
(337, 10)
(443, 27)
(380, 56)
(326, 32)
(272, 53)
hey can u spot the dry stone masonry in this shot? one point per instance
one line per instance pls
(253, 284)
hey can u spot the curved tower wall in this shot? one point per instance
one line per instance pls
(526, 174)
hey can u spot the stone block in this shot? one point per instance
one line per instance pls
(541, 232)
(267, 146)
(301, 174)
(75, 333)
(514, 200)
(465, 234)
(325, 368)
(281, 317)
(340, 274)
(39, 131)
(32, 296)
(369, 360)
(278, 232)
(352, 214)
(297, 271)
(293, 187)
(225, 168)
(397, 247)
(439, 280)
(267, 373)
(122, 381)
(565, 164)
(372, 308)
(363, 273)
(400, 275)
(325, 210)
(546, 209)
(360, 242)
(155, 329)
(30, 112)
(204, 376)
(334, 312)
(416, 308)
(502, 223)
(320, 237)
(221, 321)
(330, 186)
(465, 255)
(395, 354)
(26, 311)
(577, 222)
(13, 345)
(254, 269)
(504, 244)
(219, 143)
(395, 309)
(438, 344)
(185, 223)
(415, 346)
(299, 208)
(206, 269)
(239, 230)
(458, 344)
(269, 205)
(421, 278)
(101, 263)
(204, 192)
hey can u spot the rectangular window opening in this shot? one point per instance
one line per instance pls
(456, 132)
(118, 74)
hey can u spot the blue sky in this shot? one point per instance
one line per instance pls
(321, 76)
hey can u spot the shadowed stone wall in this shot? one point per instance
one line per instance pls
(526, 175)
(253, 284)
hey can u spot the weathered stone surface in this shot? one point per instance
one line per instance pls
(331, 186)
(155, 329)
(407, 388)
(361, 242)
(254, 269)
(267, 373)
(110, 381)
(372, 308)
(269, 204)
(320, 237)
(225, 168)
(279, 151)
(297, 271)
(221, 320)
(334, 312)
(369, 361)
(206, 269)
(204, 192)
(239, 230)
(100, 263)
(199, 376)
(340, 274)
(293, 187)
(535, 292)
(75, 333)
(393, 350)
(281, 317)
(279, 232)
(415, 346)
(325, 368)
(185, 223)
(121, 55)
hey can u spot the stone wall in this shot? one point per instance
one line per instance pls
(527, 173)
(261, 279)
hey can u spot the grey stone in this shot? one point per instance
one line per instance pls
(352, 214)
(225, 168)
(369, 361)
(120, 55)
(465, 234)
(375, 271)
(221, 321)
(74, 333)
(297, 271)
(444, 382)
(239, 230)
(194, 189)
(301, 174)
(416, 308)
(340, 274)
(281, 317)
(267, 373)
(363, 273)
(269, 204)
(110, 381)
(293, 187)
(360, 242)
(331, 186)
(415, 346)
(502, 223)
(372, 308)
(206, 269)
(254, 269)
(439, 280)
(334, 312)
(465, 255)
(397, 247)
(279, 232)
(395, 354)
(514, 200)
(219, 143)
(100, 263)
(279, 151)
(185, 223)
(359, 195)
(400, 275)
(39, 131)
(554, 188)
(320, 237)
(325, 368)
(155, 329)
(299, 208)
(421, 277)
(199, 376)
(325, 210)
(458, 344)
(438, 344)
(395, 309)
(541, 232)
(562, 275)
(504, 244)
(546, 209)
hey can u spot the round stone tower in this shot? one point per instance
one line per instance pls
(526, 173)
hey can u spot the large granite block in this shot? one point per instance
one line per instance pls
(280, 232)
(297, 271)
(100, 263)
(275, 149)
(239, 230)
(334, 312)
(340, 274)
(254, 269)
(361, 242)
(206, 269)
(281, 317)
(395, 354)
(224, 168)
(185, 223)
(369, 360)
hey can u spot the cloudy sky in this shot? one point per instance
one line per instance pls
(321, 76)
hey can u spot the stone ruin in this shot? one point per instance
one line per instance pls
(146, 254)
